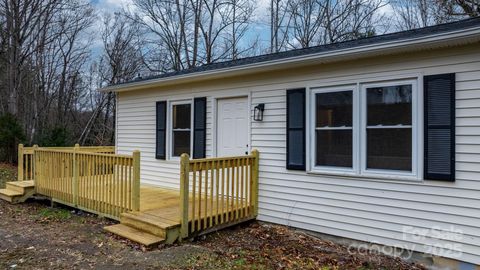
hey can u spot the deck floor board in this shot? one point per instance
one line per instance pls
(164, 204)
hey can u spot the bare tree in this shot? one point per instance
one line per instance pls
(470, 8)
(23, 23)
(73, 20)
(122, 61)
(305, 23)
(411, 14)
(279, 24)
(224, 21)
(167, 23)
(307, 19)
(351, 19)
(241, 14)
(195, 32)
(60, 55)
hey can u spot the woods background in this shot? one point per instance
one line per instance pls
(51, 67)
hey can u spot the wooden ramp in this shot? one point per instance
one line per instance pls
(158, 220)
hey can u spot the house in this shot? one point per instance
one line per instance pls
(375, 140)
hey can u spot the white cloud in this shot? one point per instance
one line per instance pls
(262, 10)
(113, 5)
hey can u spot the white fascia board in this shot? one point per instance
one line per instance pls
(431, 41)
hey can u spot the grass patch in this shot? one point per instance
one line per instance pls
(8, 173)
(52, 214)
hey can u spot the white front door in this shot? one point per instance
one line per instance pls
(232, 127)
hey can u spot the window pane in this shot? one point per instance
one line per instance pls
(334, 109)
(181, 142)
(334, 148)
(181, 116)
(391, 105)
(389, 149)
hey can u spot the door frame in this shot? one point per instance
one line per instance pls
(215, 119)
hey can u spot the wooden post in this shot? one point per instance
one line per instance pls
(256, 156)
(76, 165)
(36, 171)
(33, 173)
(184, 186)
(20, 163)
(136, 181)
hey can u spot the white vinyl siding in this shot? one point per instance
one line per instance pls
(363, 208)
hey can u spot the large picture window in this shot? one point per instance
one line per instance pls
(365, 129)
(181, 128)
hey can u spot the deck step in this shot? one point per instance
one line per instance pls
(18, 191)
(9, 195)
(149, 223)
(21, 186)
(141, 237)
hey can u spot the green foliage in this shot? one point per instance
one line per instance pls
(52, 214)
(57, 136)
(11, 133)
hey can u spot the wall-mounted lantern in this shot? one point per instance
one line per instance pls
(258, 112)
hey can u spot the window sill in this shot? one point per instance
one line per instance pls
(369, 176)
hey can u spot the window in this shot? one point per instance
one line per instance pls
(334, 129)
(181, 128)
(365, 130)
(389, 127)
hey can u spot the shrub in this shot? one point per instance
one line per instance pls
(11, 133)
(57, 136)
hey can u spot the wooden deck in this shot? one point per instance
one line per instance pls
(213, 193)
(159, 218)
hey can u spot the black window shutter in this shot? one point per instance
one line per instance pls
(199, 127)
(296, 129)
(161, 130)
(439, 106)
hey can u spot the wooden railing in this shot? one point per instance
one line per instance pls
(25, 163)
(105, 184)
(26, 160)
(215, 192)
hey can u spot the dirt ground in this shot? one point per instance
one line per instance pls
(36, 236)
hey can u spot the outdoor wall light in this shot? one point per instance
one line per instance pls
(258, 112)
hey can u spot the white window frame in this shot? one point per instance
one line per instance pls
(170, 128)
(313, 129)
(359, 138)
(414, 127)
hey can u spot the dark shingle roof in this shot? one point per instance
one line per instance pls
(398, 36)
